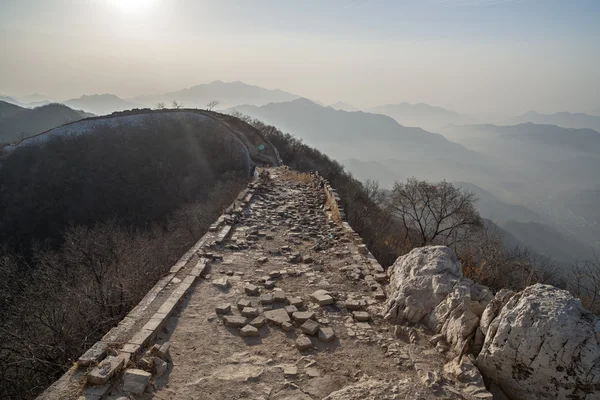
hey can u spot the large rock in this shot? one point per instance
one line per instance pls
(542, 344)
(427, 286)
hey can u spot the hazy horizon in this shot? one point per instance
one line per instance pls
(471, 56)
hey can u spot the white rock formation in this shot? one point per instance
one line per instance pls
(427, 286)
(541, 344)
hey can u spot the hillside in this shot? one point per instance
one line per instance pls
(340, 105)
(562, 119)
(360, 135)
(420, 114)
(17, 123)
(100, 104)
(106, 167)
(228, 94)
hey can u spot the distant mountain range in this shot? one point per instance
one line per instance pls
(420, 114)
(101, 104)
(228, 94)
(340, 105)
(563, 119)
(17, 123)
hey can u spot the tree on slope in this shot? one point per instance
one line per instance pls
(439, 213)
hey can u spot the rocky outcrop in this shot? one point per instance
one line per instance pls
(541, 344)
(427, 286)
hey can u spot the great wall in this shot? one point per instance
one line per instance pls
(282, 300)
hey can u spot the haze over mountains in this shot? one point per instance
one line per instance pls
(536, 178)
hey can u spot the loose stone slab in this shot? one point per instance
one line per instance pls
(326, 334)
(249, 331)
(105, 370)
(221, 283)
(295, 301)
(277, 316)
(354, 305)
(249, 312)
(269, 284)
(362, 249)
(266, 299)
(258, 322)
(290, 371)
(135, 380)
(252, 290)
(224, 308)
(243, 303)
(361, 316)
(303, 316)
(235, 321)
(279, 297)
(303, 343)
(310, 327)
(287, 326)
(290, 309)
(322, 297)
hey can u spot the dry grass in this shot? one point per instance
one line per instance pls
(295, 176)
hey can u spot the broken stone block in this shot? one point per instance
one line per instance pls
(354, 305)
(162, 351)
(380, 295)
(286, 326)
(326, 334)
(262, 260)
(135, 381)
(310, 327)
(322, 297)
(235, 321)
(160, 367)
(250, 312)
(266, 298)
(223, 308)
(303, 316)
(258, 322)
(252, 290)
(269, 284)
(290, 309)
(243, 303)
(380, 277)
(290, 371)
(304, 343)
(277, 316)
(361, 316)
(249, 331)
(279, 297)
(274, 274)
(105, 370)
(295, 301)
(221, 283)
(362, 249)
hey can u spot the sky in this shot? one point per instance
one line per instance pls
(494, 57)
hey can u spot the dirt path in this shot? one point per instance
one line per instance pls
(284, 248)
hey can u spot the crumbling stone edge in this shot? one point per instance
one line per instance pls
(114, 354)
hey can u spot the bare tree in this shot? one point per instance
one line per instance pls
(177, 104)
(440, 213)
(161, 106)
(585, 283)
(211, 105)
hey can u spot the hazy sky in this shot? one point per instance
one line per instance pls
(492, 56)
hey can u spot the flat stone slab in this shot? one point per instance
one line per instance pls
(279, 297)
(287, 326)
(235, 321)
(361, 316)
(290, 309)
(243, 303)
(303, 316)
(277, 316)
(326, 334)
(266, 298)
(224, 308)
(249, 331)
(250, 312)
(135, 380)
(322, 297)
(105, 370)
(258, 322)
(295, 301)
(310, 327)
(221, 283)
(252, 290)
(304, 343)
(354, 305)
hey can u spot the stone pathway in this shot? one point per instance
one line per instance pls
(291, 307)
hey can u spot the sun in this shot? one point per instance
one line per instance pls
(132, 5)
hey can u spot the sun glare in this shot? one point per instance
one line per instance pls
(132, 5)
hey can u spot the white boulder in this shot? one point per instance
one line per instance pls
(427, 286)
(542, 344)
